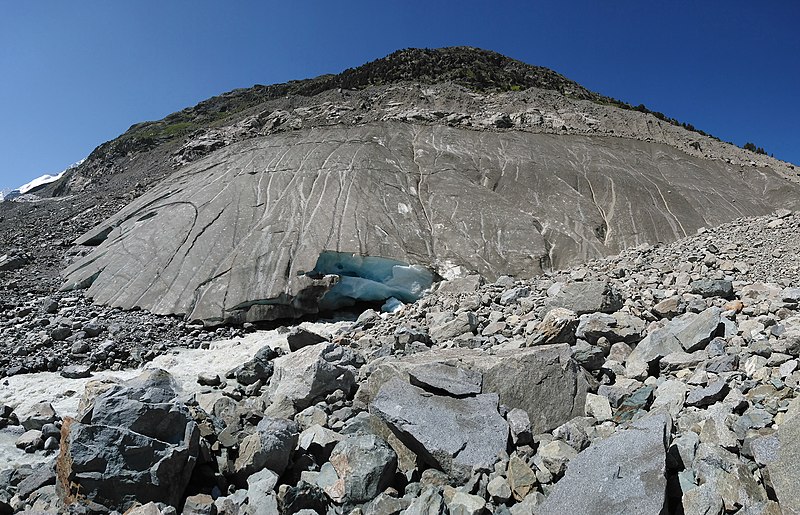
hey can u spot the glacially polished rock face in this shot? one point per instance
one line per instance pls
(233, 236)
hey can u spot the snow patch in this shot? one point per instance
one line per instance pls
(370, 279)
(38, 182)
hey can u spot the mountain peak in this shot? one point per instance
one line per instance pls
(474, 68)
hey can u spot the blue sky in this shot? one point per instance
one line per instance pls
(76, 74)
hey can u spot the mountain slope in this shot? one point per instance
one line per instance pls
(233, 236)
(456, 160)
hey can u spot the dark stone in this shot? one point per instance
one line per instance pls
(713, 288)
(708, 395)
(136, 444)
(299, 338)
(42, 475)
(586, 297)
(447, 379)
(636, 402)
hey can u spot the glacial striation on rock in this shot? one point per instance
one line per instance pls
(259, 229)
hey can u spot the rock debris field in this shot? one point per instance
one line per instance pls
(662, 380)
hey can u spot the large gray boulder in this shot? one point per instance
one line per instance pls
(547, 383)
(364, 466)
(689, 332)
(232, 236)
(135, 444)
(780, 454)
(305, 376)
(270, 446)
(454, 435)
(544, 381)
(584, 297)
(624, 473)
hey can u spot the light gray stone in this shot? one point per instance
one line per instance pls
(446, 328)
(455, 435)
(780, 454)
(364, 466)
(520, 425)
(308, 375)
(269, 447)
(585, 297)
(466, 504)
(598, 407)
(624, 473)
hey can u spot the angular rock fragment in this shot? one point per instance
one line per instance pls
(450, 379)
(454, 435)
(364, 466)
(624, 473)
(713, 288)
(136, 444)
(299, 337)
(585, 297)
(780, 454)
(558, 326)
(305, 376)
(708, 395)
(446, 327)
(269, 447)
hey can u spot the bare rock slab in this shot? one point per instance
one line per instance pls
(454, 435)
(780, 453)
(452, 380)
(621, 474)
(585, 297)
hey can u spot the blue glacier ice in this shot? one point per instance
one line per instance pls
(370, 279)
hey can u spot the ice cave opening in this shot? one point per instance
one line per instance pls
(370, 279)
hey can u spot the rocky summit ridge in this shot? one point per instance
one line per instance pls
(587, 308)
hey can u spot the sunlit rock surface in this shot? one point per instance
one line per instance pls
(233, 236)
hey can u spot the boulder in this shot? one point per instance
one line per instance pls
(134, 444)
(695, 330)
(463, 503)
(36, 415)
(299, 337)
(261, 490)
(269, 447)
(625, 473)
(454, 435)
(520, 425)
(713, 288)
(308, 375)
(445, 326)
(558, 326)
(12, 262)
(521, 477)
(779, 454)
(259, 368)
(548, 384)
(708, 395)
(730, 478)
(364, 466)
(584, 297)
